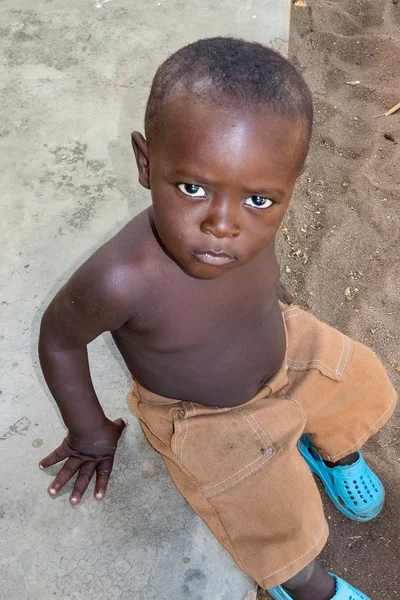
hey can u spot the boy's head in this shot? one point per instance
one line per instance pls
(228, 125)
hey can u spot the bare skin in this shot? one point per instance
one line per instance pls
(189, 288)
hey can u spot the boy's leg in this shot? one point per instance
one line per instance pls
(346, 461)
(311, 582)
(346, 396)
(340, 384)
(241, 471)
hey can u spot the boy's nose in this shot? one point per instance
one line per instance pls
(222, 221)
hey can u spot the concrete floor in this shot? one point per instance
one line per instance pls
(74, 77)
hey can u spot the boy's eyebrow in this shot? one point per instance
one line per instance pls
(193, 177)
(180, 173)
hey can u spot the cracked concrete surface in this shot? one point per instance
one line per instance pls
(74, 77)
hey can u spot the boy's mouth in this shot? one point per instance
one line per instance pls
(213, 257)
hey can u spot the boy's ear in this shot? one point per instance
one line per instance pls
(141, 151)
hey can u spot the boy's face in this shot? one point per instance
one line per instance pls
(221, 181)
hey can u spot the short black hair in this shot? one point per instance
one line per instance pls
(225, 70)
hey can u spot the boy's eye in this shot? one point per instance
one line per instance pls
(258, 202)
(189, 189)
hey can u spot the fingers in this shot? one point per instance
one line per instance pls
(103, 469)
(82, 481)
(64, 475)
(59, 454)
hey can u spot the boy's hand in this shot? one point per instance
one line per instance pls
(87, 454)
(283, 294)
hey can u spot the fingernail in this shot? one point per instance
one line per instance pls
(74, 500)
(125, 420)
(41, 466)
(99, 496)
(52, 491)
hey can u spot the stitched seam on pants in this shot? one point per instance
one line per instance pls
(332, 374)
(291, 316)
(269, 443)
(290, 310)
(297, 559)
(297, 403)
(347, 358)
(308, 363)
(258, 423)
(237, 480)
(233, 552)
(341, 355)
(254, 429)
(187, 428)
(234, 474)
(365, 432)
(184, 437)
(176, 438)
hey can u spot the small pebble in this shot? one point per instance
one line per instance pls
(385, 301)
(388, 136)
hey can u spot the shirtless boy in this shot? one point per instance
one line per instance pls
(227, 380)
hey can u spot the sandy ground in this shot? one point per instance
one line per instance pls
(345, 221)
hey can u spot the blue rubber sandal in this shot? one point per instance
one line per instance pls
(344, 591)
(355, 490)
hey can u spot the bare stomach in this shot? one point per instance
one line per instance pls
(227, 370)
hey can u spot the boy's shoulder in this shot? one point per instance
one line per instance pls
(121, 271)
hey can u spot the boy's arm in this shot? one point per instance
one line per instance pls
(94, 300)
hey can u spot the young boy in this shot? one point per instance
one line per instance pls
(226, 379)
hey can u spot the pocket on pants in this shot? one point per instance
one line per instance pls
(315, 345)
(220, 448)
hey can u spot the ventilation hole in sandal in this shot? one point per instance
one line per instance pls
(356, 487)
(371, 496)
(354, 481)
(347, 487)
(355, 503)
(365, 502)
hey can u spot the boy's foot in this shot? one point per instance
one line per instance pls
(344, 591)
(354, 489)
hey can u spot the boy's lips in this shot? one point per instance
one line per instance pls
(213, 257)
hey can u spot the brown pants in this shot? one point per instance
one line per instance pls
(240, 469)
